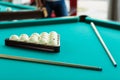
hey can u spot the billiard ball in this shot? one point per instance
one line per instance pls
(8, 9)
(45, 37)
(53, 42)
(53, 37)
(24, 37)
(14, 37)
(44, 34)
(35, 34)
(15, 20)
(53, 33)
(43, 41)
(33, 39)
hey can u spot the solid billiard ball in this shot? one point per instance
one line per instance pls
(43, 41)
(39, 37)
(53, 33)
(44, 34)
(45, 37)
(53, 37)
(8, 9)
(35, 34)
(33, 39)
(15, 20)
(24, 37)
(14, 37)
(53, 43)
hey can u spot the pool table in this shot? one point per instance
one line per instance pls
(4, 5)
(18, 12)
(78, 44)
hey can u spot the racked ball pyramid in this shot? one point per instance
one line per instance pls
(44, 41)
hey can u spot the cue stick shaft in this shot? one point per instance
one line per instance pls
(103, 44)
(50, 62)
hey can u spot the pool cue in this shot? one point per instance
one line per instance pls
(103, 44)
(3, 56)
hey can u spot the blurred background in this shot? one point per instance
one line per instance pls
(102, 9)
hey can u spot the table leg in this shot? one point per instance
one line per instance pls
(113, 10)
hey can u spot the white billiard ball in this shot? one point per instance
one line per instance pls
(15, 20)
(24, 37)
(39, 37)
(33, 39)
(14, 37)
(8, 9)
(43, 41)
(53, 43)
(53, 37)
(53, 33)
(35, 34)
(44, 34)
(45, 37)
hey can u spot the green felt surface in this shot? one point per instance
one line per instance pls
(14, 7)
(79, 45)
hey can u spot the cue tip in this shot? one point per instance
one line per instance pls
(99, 69)
(115, 65)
